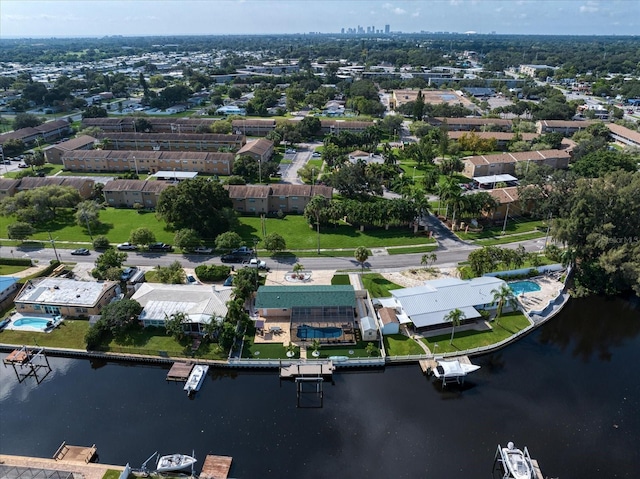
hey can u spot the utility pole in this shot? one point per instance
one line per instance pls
(506, 216)
(53, 243)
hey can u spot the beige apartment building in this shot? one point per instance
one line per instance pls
(148, 161)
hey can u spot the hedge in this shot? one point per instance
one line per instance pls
(16, 261)
(213, 272)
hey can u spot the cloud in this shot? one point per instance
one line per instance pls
(455, 3)
(589, 7)
(394, 10)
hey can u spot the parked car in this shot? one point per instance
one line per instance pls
(191, 279)
(128, 273)
(243, 250)
(23, 165)
(316, 154)
(255, 263)
(127, 247)
(160, 247)
(81, 252)
(228, 281)
(203, 250)
(232, 258)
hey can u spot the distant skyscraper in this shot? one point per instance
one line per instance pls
(387, 29)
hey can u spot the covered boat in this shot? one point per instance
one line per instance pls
(174, 462)
(516, 462)
(453, 370)
(196, 378)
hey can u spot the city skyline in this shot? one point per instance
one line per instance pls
(66, 18)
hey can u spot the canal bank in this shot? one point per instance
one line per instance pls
(566, 391)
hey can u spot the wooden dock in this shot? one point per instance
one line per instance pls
(216, 467)
(303, 369)
(75, 453)
(180, 371)
(536, 469)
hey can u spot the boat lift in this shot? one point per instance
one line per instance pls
(499, 458)
(28, 362)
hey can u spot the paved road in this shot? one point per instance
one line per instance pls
(447, 257)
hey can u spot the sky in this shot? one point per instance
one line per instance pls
(95, 18)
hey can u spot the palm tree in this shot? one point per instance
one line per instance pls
(428, 259)
(503, 296)
(454, 317)
(362, 255)
(315, 345)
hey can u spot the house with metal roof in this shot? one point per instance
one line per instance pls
(201, 303)
(427, 305)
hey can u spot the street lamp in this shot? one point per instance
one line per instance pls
(414, 173)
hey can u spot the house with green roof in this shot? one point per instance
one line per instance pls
(321, 306)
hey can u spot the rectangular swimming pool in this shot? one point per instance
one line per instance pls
(520, 287)
(310, 332)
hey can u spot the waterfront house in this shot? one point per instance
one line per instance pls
(318, 307)
(65, 297)
(426, 306)
(201, 303)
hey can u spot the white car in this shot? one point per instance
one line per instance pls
(255, 263)
(127, 247)
(203, 250)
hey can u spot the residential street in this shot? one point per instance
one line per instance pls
(448, 256)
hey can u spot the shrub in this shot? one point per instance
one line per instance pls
(16, 261)
(101, 242)
(213, 272)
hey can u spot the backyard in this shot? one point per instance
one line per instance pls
(508, 325)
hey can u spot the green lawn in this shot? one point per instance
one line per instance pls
(513, 227)
(340, 279)
(70, 334)
(265, 351)
(510, 323)
(377, 285)
(350, 351)
(8, 270)
(401, 345)
(510, 238)
(414, 249)
(154, 342)
(298, 235)
(116, 225)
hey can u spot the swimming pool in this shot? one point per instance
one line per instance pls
(520, 287)
(309, 332)
(30, 324)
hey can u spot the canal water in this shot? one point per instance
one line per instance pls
(570, 392)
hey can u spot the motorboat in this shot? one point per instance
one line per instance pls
(453, 370)
(174, 462)
(196, 378)
(517, 463)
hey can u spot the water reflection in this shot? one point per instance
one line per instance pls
(596, 327)
(577, 419)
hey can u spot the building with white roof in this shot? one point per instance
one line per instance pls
(428, 305)
(201, 303)
(65, 297)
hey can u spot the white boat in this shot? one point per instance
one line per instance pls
(453, 370)
(196, 378)
(174, 462)
(517, 462)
